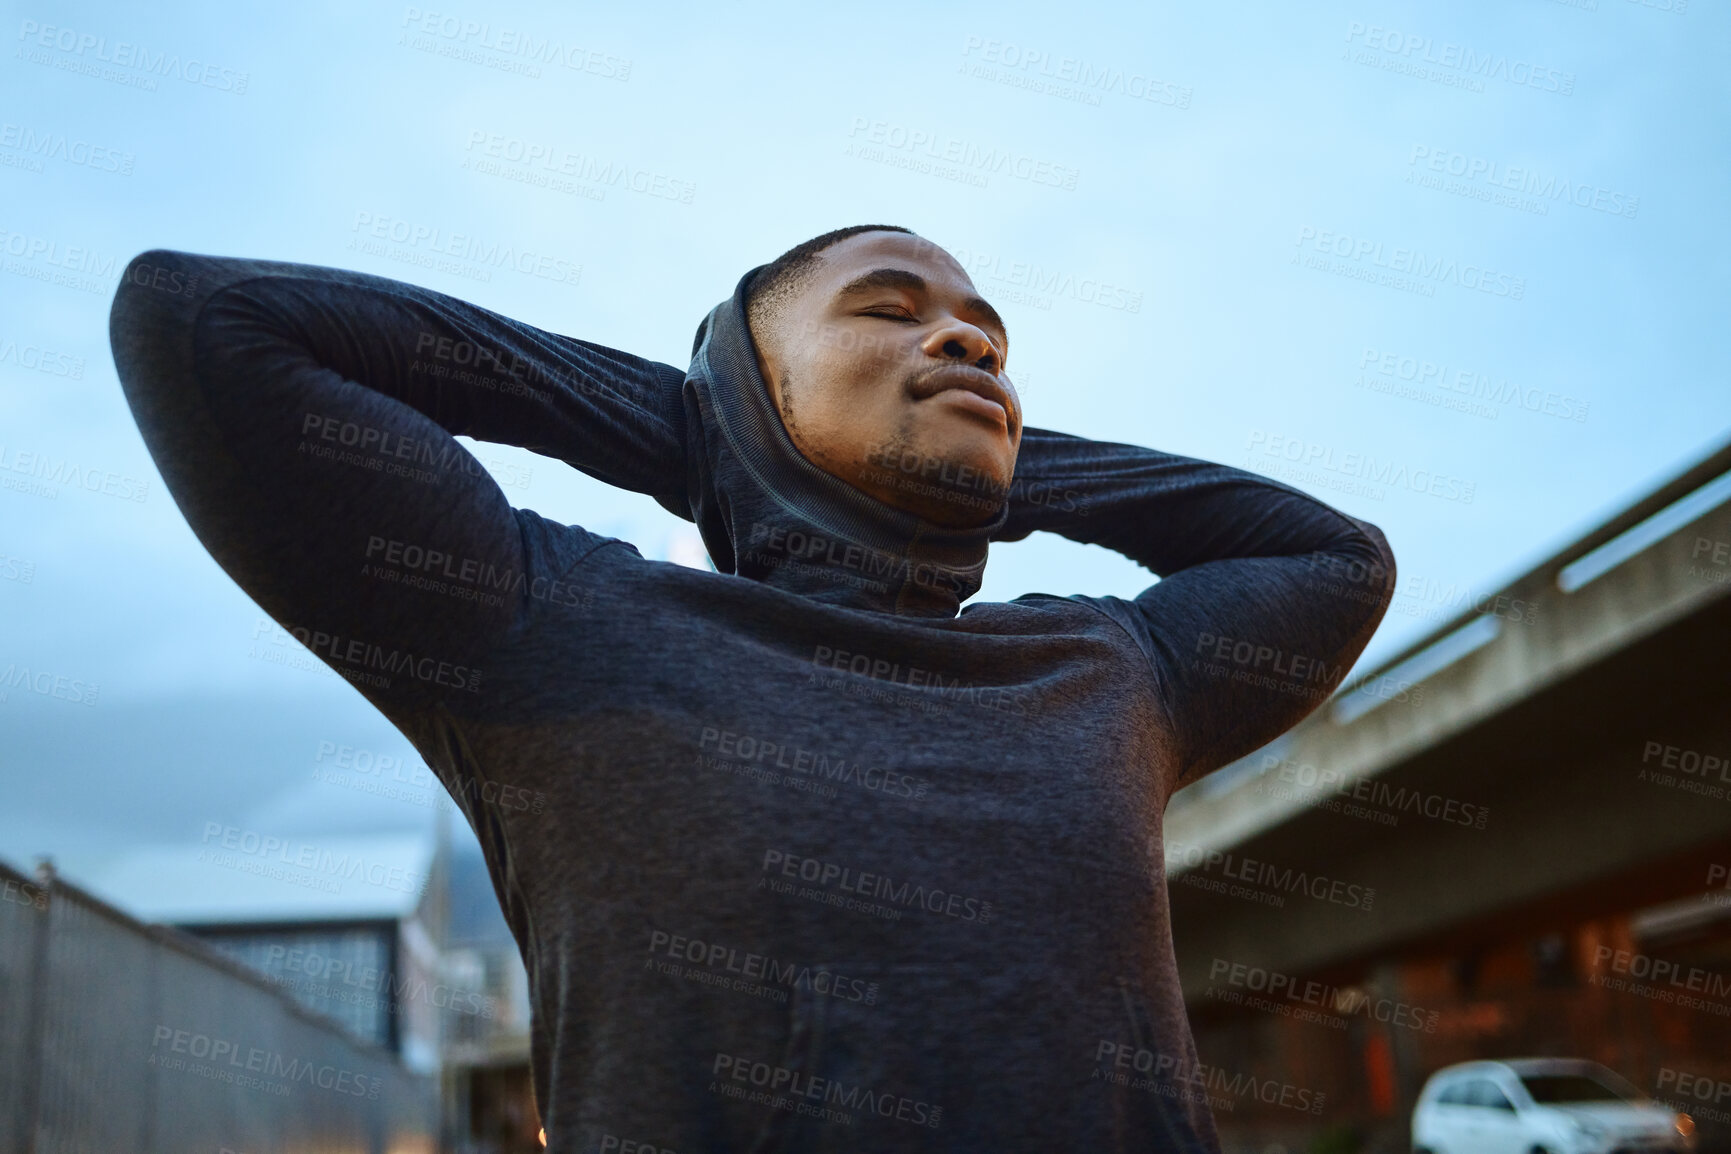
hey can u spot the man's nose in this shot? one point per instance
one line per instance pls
(961, 341)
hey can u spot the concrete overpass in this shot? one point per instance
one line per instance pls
(1581, 716)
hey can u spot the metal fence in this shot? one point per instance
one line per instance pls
(118, 1036)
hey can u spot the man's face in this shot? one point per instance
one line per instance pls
(887, 369)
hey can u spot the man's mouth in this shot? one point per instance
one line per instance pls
(983, 393)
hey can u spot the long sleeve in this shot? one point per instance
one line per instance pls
(303, 418)
(1267, 595)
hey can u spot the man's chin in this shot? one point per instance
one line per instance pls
(952, 488)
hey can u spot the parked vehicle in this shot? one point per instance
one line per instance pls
(1542, 1106)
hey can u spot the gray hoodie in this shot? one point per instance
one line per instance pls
(799, 856)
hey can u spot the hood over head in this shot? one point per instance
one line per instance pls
(767, 513)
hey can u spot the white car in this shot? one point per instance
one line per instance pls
(1542, 1106)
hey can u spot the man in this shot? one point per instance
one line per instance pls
(821, 864)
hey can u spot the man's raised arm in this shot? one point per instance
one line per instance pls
(303, 419)
(1267, 595)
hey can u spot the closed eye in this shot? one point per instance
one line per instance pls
(889, 312)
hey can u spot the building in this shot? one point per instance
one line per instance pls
(1513, 838)
(116, 1035)
(396, 940)
(338, 924)
(489, 1097)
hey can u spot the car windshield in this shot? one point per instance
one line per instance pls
(1548, 1088)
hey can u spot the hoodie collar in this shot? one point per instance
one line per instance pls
(767, 513)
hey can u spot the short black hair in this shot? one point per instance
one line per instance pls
(777, 281)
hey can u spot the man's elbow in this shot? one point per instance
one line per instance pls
(1359, 566)
(158, 288)
(159, 271)
(158, 302)
(1378, 564)
(165, 282)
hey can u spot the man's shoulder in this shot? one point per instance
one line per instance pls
(1048, 612)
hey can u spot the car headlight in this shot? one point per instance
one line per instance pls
(1685, 1126)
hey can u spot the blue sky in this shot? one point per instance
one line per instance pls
(1459, 271)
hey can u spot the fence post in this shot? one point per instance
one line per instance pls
(37, 1003)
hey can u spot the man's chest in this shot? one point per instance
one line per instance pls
(730, 757)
